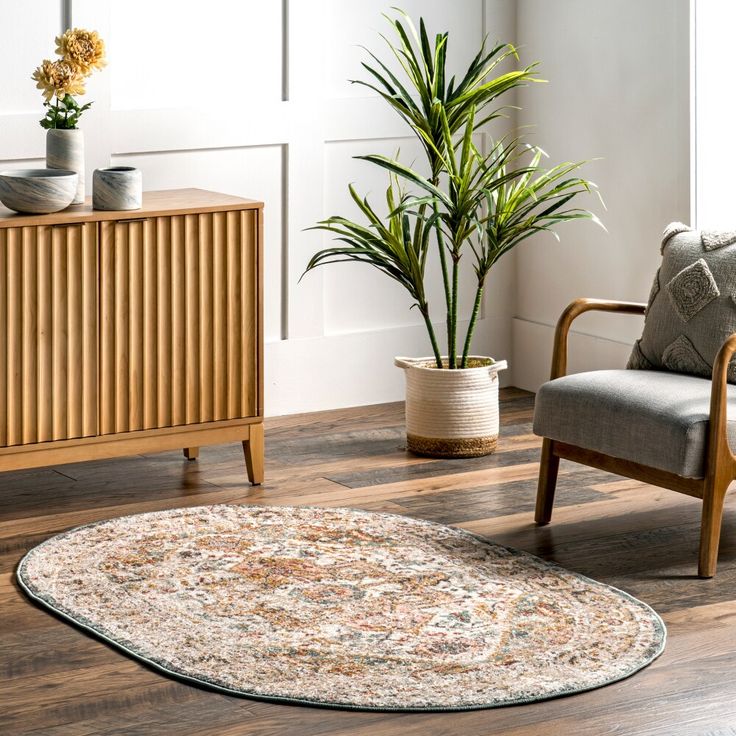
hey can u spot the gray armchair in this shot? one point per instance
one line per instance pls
(660, 427)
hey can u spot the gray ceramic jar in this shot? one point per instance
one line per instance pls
(117, 188)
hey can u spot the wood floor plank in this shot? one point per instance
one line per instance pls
(408, 488)
(393, 474)
(49, 523)
(516, 497)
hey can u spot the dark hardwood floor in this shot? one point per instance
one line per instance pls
(57, 681)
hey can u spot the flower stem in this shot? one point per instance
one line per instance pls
(471, 324)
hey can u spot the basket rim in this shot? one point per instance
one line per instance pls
(427, 364)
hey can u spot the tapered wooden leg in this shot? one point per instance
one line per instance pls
(191, 453)
(710, 528)
(253, 448)
(548, 466)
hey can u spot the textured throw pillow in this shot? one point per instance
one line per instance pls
(692, 304)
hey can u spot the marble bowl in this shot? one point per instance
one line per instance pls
(37, 191)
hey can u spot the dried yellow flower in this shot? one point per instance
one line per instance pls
(83, 49)
(58, 78)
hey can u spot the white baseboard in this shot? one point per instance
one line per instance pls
(532, 353)
(357, 369)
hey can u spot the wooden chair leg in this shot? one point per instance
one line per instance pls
(253, 448)
(191, 453)
(548, 467)
(710, 528)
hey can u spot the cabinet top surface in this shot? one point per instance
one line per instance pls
(163, 203)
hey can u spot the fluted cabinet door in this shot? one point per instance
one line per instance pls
(48, 333)
(178, 320)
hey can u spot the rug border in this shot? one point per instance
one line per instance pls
(660, 626)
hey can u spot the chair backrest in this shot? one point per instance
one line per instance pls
(692, 304)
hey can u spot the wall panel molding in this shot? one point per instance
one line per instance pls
(66, 14)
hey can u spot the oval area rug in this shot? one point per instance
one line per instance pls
(340, 607)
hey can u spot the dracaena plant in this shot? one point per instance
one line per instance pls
(478, 203)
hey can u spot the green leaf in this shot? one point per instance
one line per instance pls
(70, 103)
(407, 173)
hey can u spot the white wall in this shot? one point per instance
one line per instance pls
(618, 89)
(714, 112)
(251, 98)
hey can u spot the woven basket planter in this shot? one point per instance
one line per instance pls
(451, 413)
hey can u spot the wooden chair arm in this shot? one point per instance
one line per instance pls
(718, 446)
(574, 310)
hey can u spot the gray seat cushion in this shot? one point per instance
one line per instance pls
(654, 418)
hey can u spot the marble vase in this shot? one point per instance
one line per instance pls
(65, 150)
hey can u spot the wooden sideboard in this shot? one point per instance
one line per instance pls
(132, 332)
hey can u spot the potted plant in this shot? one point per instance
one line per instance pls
(472, 204)
(80, 52)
